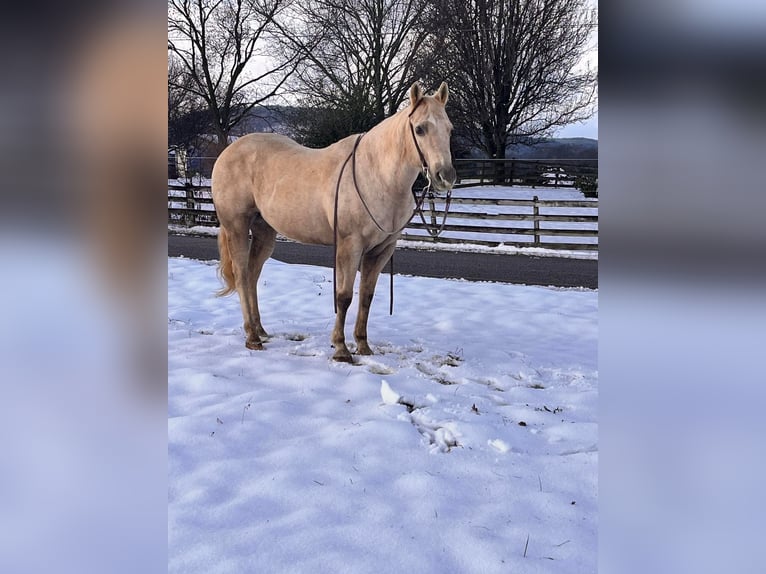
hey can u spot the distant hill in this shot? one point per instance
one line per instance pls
(263, 119)
(555, 148)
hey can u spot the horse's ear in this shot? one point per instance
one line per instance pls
(442, 94)
(416, 92)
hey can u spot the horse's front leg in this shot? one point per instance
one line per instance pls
(346, 264)
(372, 265)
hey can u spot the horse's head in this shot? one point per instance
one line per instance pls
(431, 129)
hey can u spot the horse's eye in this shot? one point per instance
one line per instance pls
(420, 130)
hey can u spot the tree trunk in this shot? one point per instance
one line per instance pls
(222, 138)
(499, 144)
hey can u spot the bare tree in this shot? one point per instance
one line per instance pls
(359, 58)
(516, 68)
(188, 117)
(221, 45)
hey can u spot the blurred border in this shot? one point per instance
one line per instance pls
(83, 254)
(82, 344)
(681, 274)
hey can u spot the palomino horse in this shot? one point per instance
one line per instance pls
(268, 184)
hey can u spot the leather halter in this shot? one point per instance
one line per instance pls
(423, 162)
(432, 229)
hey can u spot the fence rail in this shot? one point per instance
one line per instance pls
(549, 223)
(578, 173)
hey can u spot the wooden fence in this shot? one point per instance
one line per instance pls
(578, 173)
(485, 216)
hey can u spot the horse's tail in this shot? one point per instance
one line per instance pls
(225, 267)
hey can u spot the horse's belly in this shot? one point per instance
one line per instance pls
(292, 202)
(304, 228)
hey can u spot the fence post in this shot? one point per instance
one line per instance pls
(498, 171)
(536, 214)
(189, 215)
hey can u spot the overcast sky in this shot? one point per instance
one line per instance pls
(587, 129)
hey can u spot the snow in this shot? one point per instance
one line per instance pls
(389, 396)
(467, 443)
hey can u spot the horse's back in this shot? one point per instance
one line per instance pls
(250, 154)
(256, 144)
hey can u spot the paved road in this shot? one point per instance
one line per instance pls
(519, 269)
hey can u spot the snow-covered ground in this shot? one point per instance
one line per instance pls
(467, 443)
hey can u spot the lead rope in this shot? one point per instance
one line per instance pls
(391, 284)
(432, 228)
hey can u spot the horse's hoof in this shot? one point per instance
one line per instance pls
(254, 345)
(343, 357)
(364, 351)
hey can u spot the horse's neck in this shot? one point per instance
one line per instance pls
(390, 155)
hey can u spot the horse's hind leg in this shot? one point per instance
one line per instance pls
(237, 236)
(261, 248)
(372, 264)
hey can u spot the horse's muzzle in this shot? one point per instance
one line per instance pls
(445, 178)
